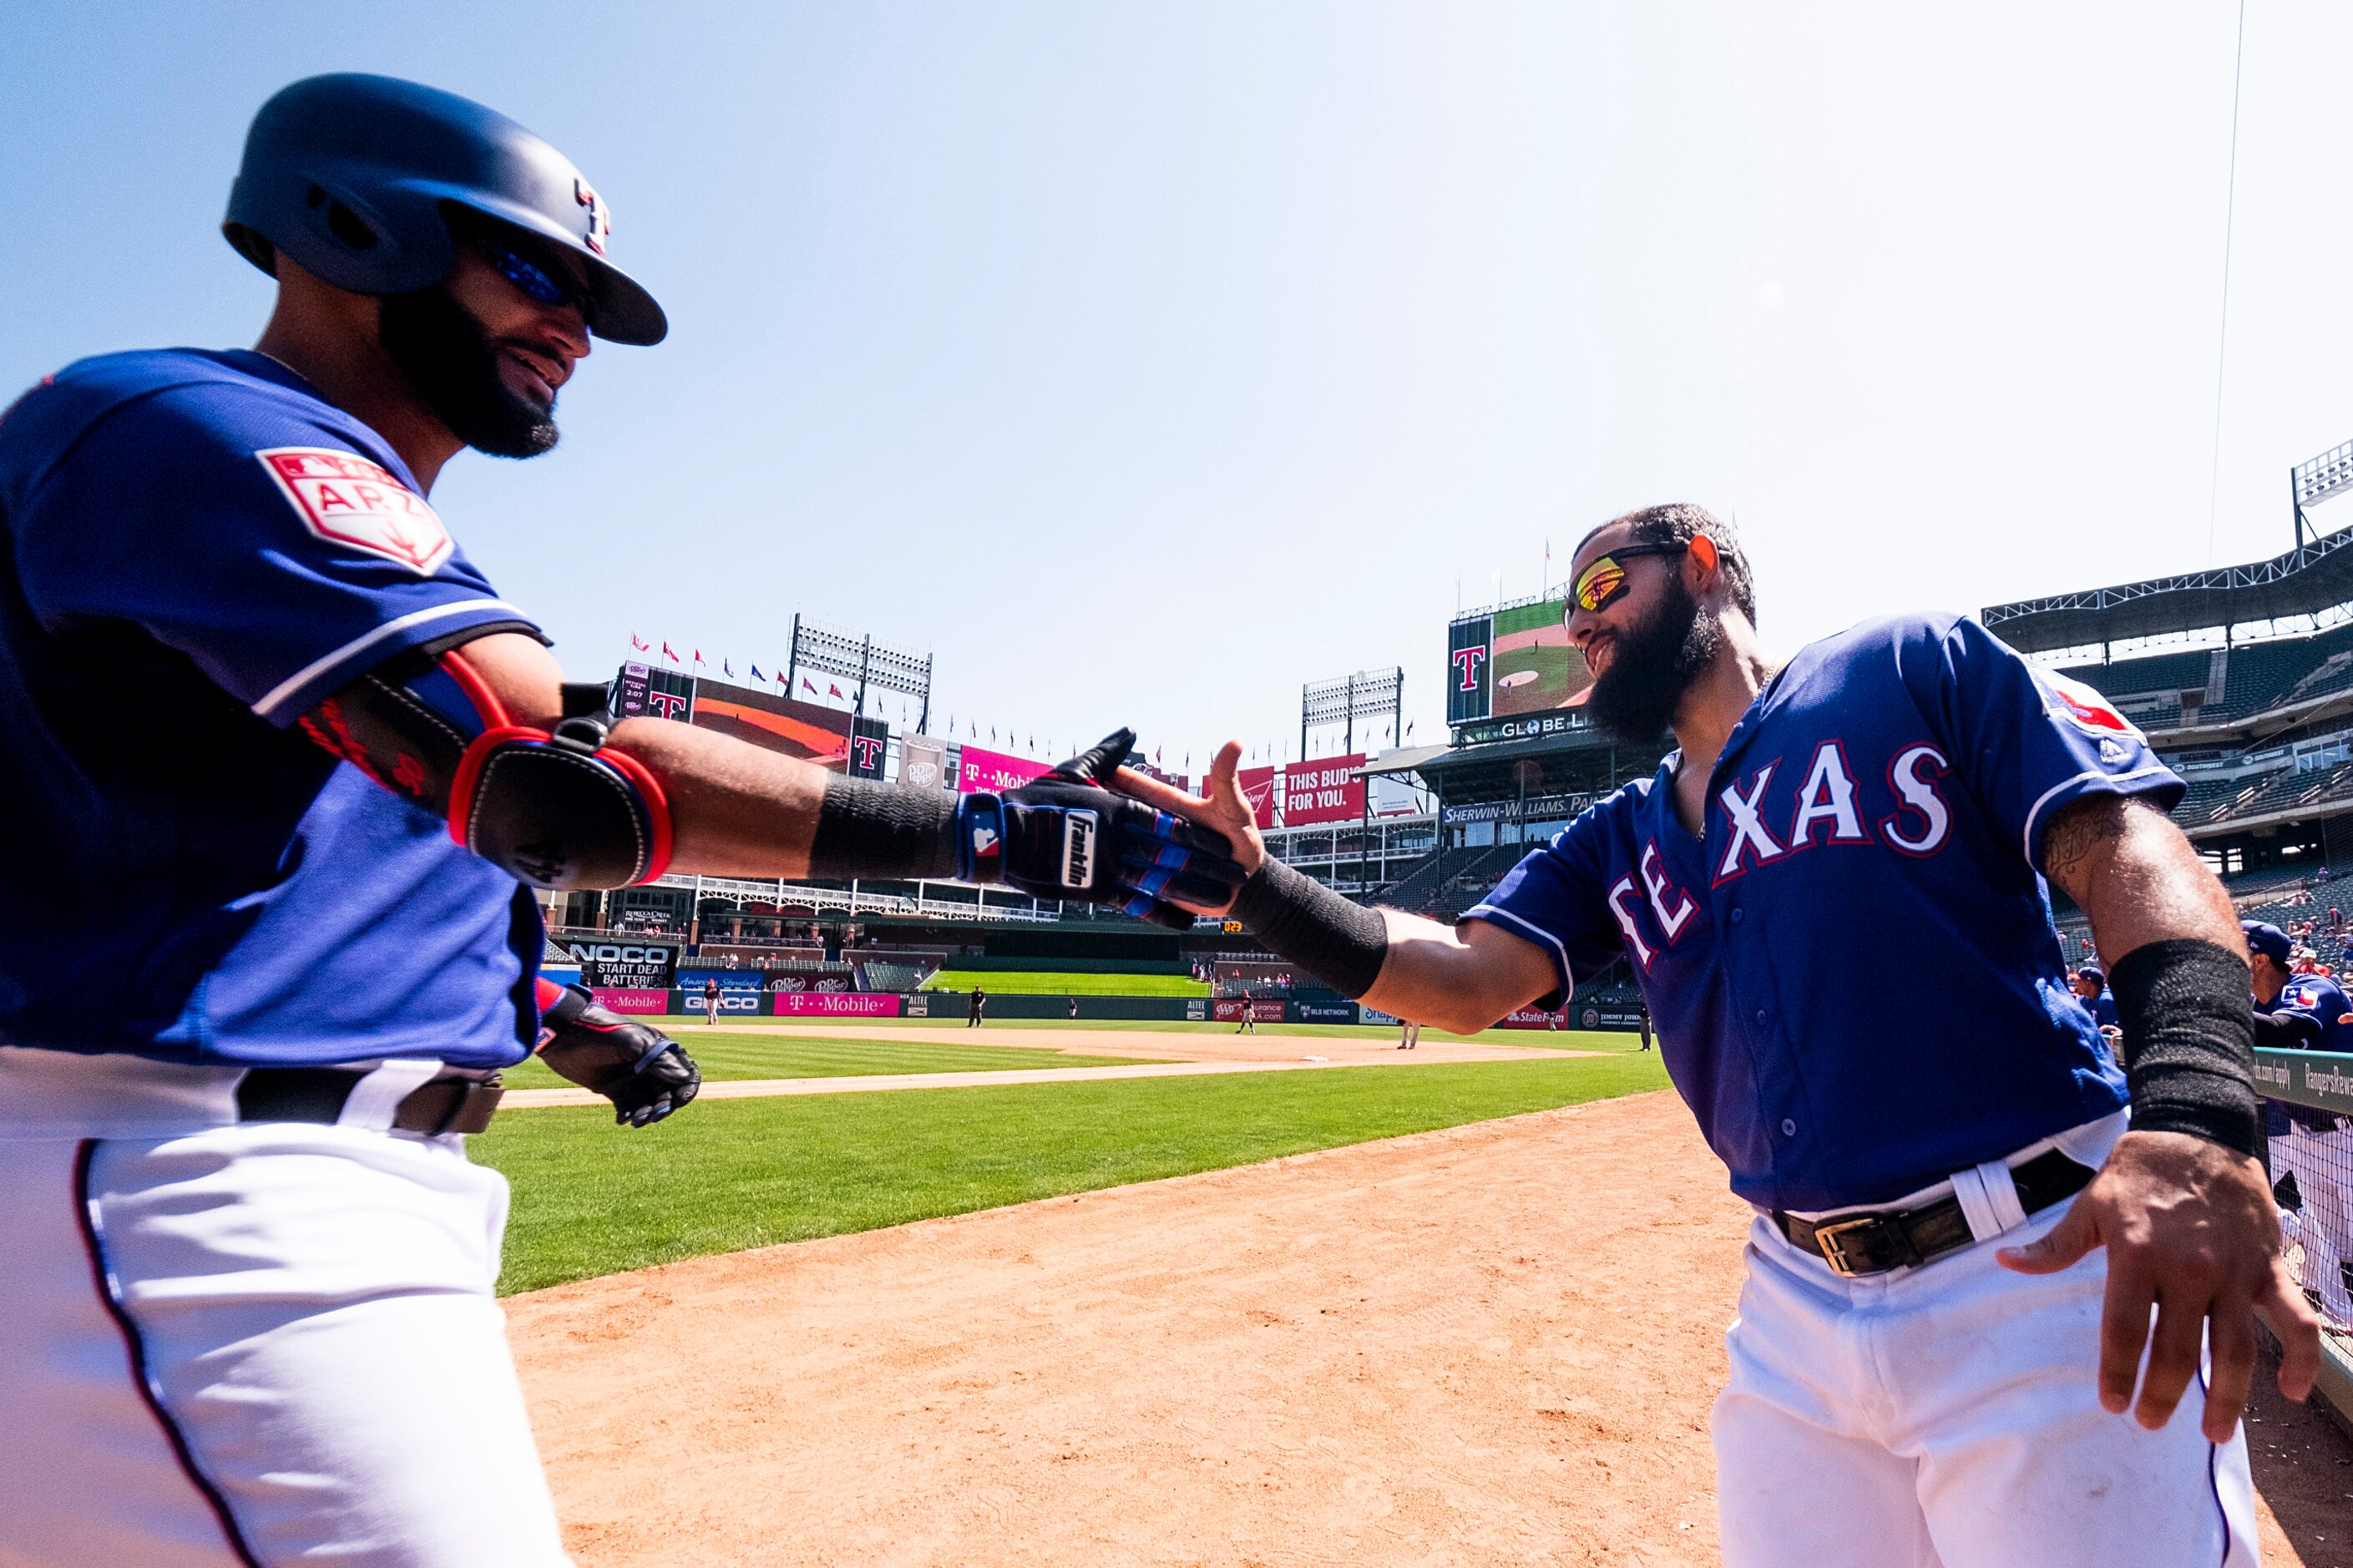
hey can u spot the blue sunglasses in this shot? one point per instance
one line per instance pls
(536, 282)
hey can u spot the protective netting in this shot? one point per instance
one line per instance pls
(2312, 1176)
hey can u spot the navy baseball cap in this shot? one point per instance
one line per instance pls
(2267, 940)
(2092, 971)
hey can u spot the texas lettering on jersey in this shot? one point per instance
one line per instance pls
(345, 499)
(1879, 807)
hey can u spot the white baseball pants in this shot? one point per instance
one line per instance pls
(257, 1343)
(1949, 1417)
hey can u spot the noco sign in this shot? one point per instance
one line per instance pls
(621, 962)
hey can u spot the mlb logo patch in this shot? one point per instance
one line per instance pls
(345, 499)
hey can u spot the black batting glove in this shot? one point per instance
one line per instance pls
(1064, 836)
(645, 1073)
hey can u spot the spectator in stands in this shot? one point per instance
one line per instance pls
(2091, 986)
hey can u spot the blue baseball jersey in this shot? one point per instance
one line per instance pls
(2318, 997)
(199, 549)
(2104, 1009)
(1884, 797)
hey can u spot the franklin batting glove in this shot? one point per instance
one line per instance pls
(1064, 836)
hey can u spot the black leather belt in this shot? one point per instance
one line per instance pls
(1856, 1243)
(452, 1103)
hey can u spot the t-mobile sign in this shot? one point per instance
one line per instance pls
(996, 770)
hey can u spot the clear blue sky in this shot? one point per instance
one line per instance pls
(1144, 361)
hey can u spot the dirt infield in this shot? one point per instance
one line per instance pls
(1494, 1344)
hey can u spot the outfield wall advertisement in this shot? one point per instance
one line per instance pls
(836, 1004)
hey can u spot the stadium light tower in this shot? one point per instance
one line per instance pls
(1369, 693)
(2310, 483)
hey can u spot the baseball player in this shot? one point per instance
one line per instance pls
(2091, 984)
(282, 763)
(710, 1000)
(1958, 1244)
(2313, 1148)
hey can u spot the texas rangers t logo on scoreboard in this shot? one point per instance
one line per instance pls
(345, 499)
(1467, 661)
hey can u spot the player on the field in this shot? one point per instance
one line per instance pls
(710, 999)
(279, 765)
(1902, 1392)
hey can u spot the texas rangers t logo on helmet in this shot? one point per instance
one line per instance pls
(600, 217)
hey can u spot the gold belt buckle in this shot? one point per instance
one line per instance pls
(1833, 1251)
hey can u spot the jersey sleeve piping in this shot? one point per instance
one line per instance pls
(2159, 774)
(301, 691)
(1490, 913)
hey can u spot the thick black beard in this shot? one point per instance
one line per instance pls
(1651, 667)
(449, 360)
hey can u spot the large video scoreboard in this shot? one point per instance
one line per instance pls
(1510, 672)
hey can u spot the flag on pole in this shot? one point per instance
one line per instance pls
(756, 675)
(639, 643)
(728, 668)
(698, 656)
(670, 653)
(833, 690)
(807, 687)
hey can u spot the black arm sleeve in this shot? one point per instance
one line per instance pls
(2189, 1042)
(1339, 943)
(869, 829)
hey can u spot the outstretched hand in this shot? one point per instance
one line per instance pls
(2190, 1230)
(1074, 833)
(1221, 808)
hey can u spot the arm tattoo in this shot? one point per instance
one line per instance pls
(2079, 832)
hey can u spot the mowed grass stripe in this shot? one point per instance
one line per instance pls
(591, 1198)
(1057, 982)
(730, 1054)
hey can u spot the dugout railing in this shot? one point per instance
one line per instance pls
(2309, 1108)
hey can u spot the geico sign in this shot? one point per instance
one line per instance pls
(618, 952)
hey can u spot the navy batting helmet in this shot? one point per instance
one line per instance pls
(348, 175)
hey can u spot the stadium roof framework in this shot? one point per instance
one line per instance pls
(2305, 581)
(2316, 575)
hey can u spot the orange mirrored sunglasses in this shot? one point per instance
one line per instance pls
(1604, 578)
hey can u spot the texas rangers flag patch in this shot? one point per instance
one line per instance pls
(2086, 709)
(345, 499)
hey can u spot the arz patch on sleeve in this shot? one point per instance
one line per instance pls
(345, 500)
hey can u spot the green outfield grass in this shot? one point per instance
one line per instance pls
(1054, 983)
(591, 1198)
(684, 1025)
(733, 1053)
